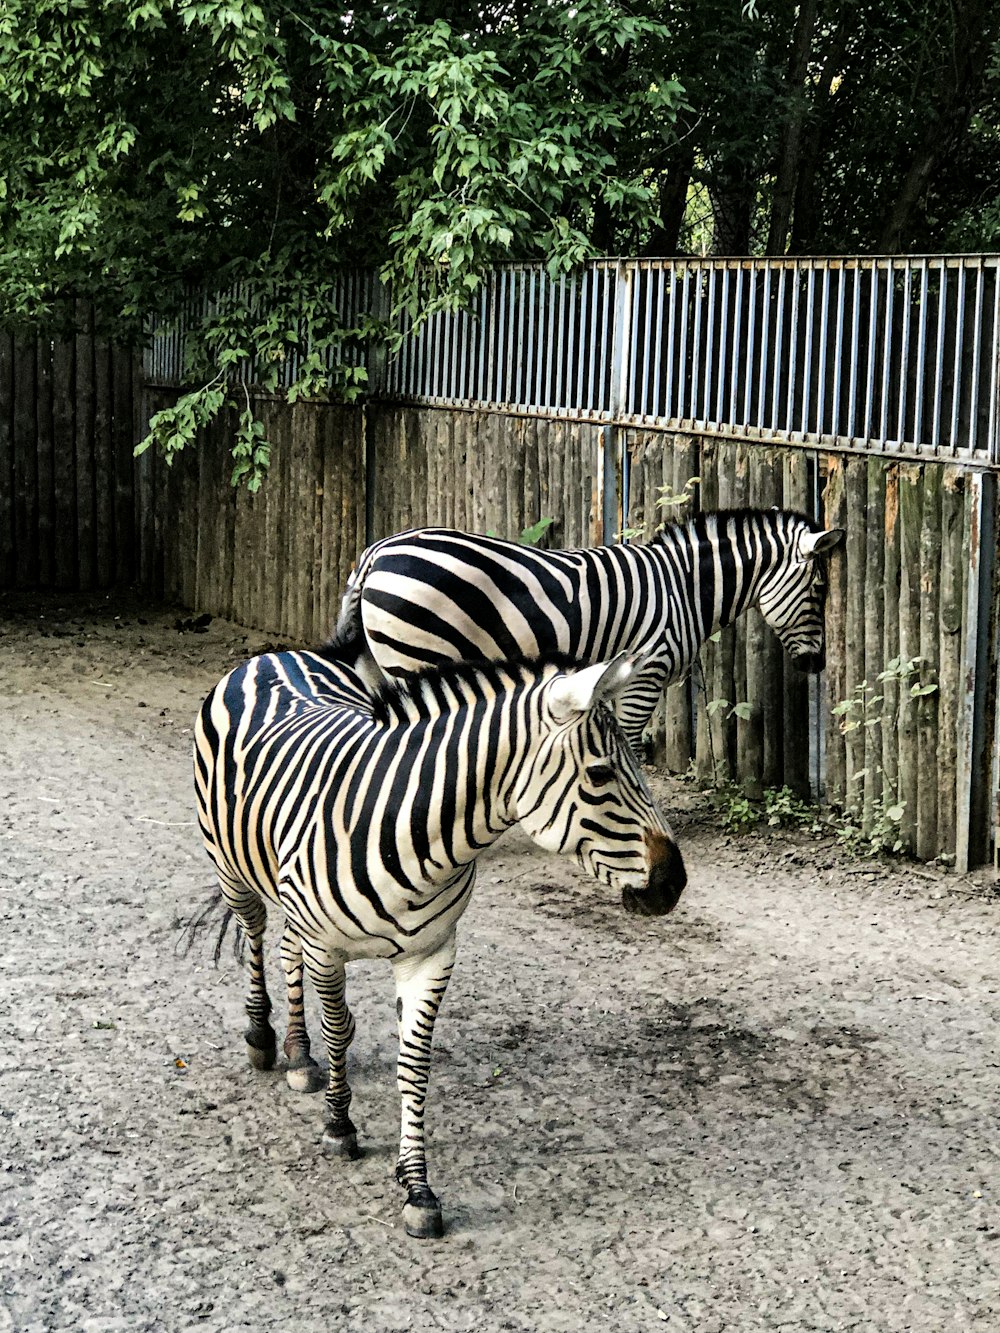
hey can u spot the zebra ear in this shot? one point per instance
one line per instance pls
(576, 693)
(813, 544)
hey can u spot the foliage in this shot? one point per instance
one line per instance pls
(666, 499)
(150, 145)
(780, 808)
(877, 828)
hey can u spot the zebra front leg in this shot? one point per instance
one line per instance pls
(251, 913)
(340, 1138)
(420, 987)
(303, 1073)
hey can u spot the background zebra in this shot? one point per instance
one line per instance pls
(433, 595)
(362, 817)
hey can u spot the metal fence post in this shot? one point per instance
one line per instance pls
(614, 465)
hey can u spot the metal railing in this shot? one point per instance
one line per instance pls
(892, 355)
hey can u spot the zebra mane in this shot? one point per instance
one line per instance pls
(424, 691)
(700, 522)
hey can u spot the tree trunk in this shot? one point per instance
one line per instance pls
(805, 211)
(665, 238)
(788, 166)
(974, 31)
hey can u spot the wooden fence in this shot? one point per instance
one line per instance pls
(915, 579)
(68, 414)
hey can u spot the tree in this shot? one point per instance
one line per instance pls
(148, 145)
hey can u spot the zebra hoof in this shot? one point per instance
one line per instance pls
(341, 1145)
(305, 1078)
(261, 1048)
(423, 1220)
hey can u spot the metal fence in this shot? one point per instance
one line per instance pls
(892, 355)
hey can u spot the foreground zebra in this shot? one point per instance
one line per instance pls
(362, 817)
(432, 595)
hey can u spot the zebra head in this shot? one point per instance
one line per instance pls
(793, 590)
(580, 791)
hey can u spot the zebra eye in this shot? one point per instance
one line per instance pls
(600, 772)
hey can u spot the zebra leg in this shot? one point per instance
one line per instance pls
(250, 912)
(340, 1138)
(420, 987)
(303, 1073)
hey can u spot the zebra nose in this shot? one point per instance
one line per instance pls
(667, 878)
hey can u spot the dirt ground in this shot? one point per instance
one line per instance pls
(775, 1109)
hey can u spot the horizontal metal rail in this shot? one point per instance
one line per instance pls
(886, 355)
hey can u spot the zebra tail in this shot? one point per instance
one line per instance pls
(201, 922)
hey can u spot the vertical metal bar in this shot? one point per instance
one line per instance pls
(824, 330)
(549, 340)
(904, 352)
(658, 342)
(808, 348)
(939, 357)
(592, 339)
(579, 341)
(992, 440)
(977, 345)
(671, 413)
(873, 300)
(646, 271)
(683, 351)
(855, 327)
(696, 281)
(760, 411)
(751, 334)
(720, 389)
(561, 372)
(956, 379)
(793, 350)
(779, 338)
(921, 356)
(606, 386)
(839, 355)
(734, 360)
(704, 414)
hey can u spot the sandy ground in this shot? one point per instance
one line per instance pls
(776, 1109)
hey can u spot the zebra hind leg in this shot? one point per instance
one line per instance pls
(251, 913)
(303, 1074)
(420, 987)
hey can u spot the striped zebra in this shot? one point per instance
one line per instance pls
(361, 816)
(433, 595)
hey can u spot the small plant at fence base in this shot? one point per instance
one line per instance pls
(876, 829)
(667, 500)
(780, 808)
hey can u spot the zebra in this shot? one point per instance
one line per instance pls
(432, 595)
(362, 817)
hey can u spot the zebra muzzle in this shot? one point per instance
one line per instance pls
(667, 878)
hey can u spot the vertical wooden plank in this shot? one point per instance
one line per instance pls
(910, 497)
(709, 761)
(835, 516)
(795, 732)
(888, 729)
(856, 478)
(45, 448)
(25, 464)
(874, 632)
(950, 651)
(104, 470)
(926, 705)
(122, 363)
(680, 462)
(7, 534)
(753, 768)
(83, 447)
(555, 446)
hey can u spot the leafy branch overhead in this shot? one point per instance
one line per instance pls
(257, 147)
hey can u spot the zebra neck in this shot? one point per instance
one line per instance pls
(721, 565)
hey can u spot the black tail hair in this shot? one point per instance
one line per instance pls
(201, 921)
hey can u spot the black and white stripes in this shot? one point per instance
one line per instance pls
(433, 595)
(361, 815)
